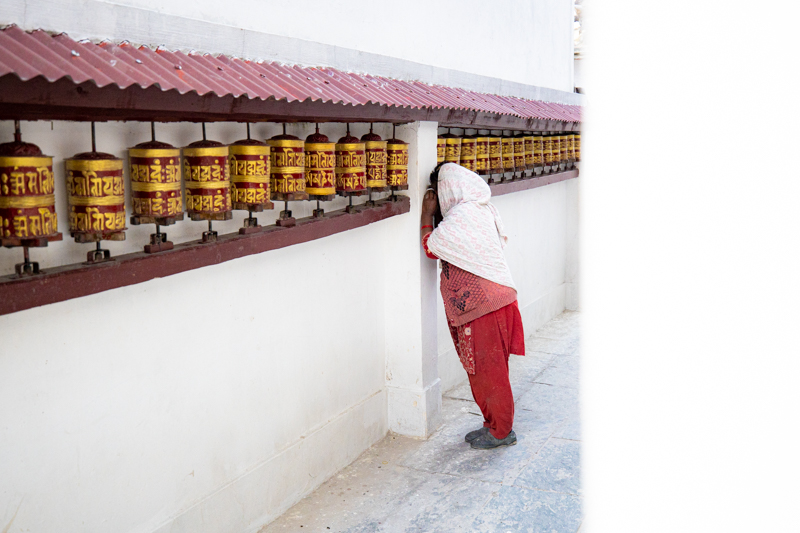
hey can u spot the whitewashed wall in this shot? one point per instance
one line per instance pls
(214, 399)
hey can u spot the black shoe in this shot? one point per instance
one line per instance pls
(472, 435)
(487, 441)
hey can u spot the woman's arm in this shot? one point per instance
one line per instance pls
(429, 203)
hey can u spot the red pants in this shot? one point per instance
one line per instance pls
(494, 336)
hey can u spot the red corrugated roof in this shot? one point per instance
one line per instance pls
(53, 57)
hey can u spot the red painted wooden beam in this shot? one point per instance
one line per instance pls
(506, 187)
(73, 281)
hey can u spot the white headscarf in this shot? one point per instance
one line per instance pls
(471, 236)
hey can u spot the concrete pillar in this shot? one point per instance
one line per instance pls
(412, 375)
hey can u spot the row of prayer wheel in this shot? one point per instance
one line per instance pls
(487, 154)
(218, 178)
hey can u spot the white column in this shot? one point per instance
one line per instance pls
(412, 375)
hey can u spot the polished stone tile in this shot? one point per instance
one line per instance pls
(563, 371)
(550, 403)
(567, 346)
(523, 510)
(556, 467)
(564, 326)
(571, 429)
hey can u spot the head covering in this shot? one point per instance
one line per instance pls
(471, 236)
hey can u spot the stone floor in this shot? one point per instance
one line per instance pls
(442, 485)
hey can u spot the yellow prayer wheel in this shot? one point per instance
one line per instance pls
(27, 197)
(495, 155)
(468, 158)
(519, 152)
(155, 169)
(571, 149)
(320, 165)
(287, 168)
(508, 154)
(440, 149)
(27, 200)
(482, 166)
(549, 155)
(397, 164)
(207, 179)
(351, 167)
(538, 154)
(577, 146)
(452, 148)
(528, 148)
(249, 173)
(375, 150)
(96, 197)
(564, 145)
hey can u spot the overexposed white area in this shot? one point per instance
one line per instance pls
(526, 42)
(690, 268)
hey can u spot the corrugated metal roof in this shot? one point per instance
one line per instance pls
(53, 57)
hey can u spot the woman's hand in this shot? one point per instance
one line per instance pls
(429, 203)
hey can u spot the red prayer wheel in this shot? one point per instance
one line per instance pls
(397, 164)
(155, 169)
(351, 167)
(495, 155)
(440, 149)
(248, 161)
(571, 150)
(27, 199)
(577, 146)
(320, 165)
(207, 178)
(519, 152)
(375, 149)
(469, 152)
(287, 168)
(538, 154)
(528, 148)
(482, 166)
(508, 154)
(96, 197)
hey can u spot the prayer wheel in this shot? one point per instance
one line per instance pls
(538, 154)
(556, 152)
(397, 163)
(564, 144)
(375, 149)
(27, 199)
(495, 155)
(577, 146)
(320, 165)
(468, 158)
(351, 168)
(528, 148)
(206, 174)
(549, 161)
(96, 198)
(508, 154)
(287, 158)
(440, 149)
(482, 166)
(452, 148)
(287, 168)
(249, 166)
(155, 169)
(571, 150)
(519, 153)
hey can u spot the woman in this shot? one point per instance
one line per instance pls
(480, 300)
